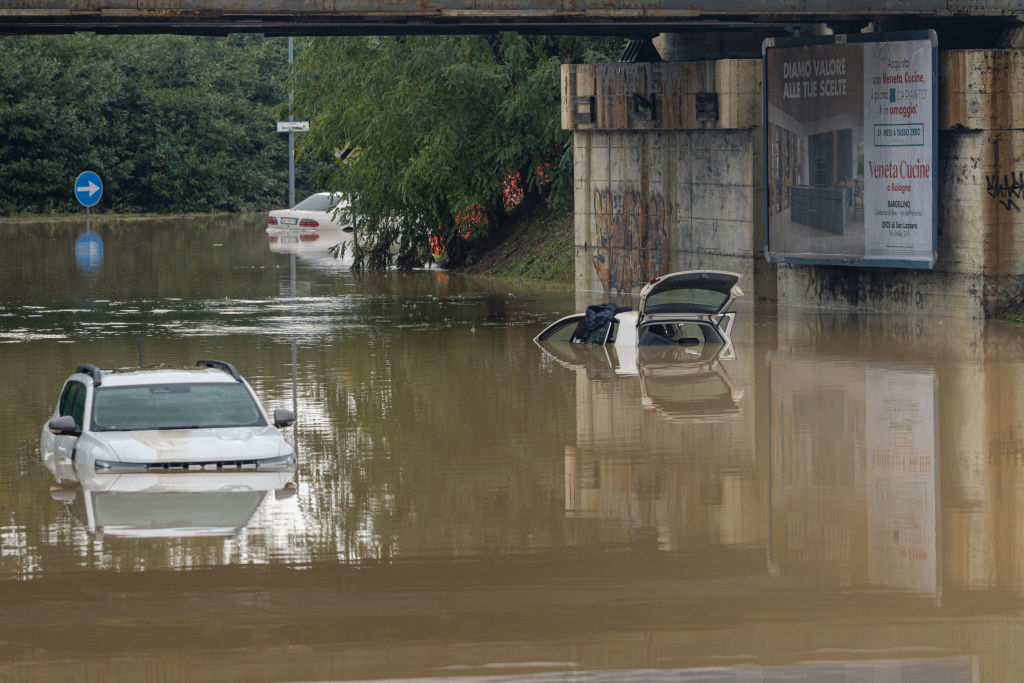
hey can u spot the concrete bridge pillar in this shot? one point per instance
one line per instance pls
(668, 166)
(669, 176)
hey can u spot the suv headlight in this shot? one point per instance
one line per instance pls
(279, 464)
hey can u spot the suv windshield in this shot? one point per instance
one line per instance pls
(174, 406)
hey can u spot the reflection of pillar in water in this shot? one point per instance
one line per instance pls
(969, 556)
(572, 484)
(582, 483)
(1006, 461)
(645, 489)
(743, 509)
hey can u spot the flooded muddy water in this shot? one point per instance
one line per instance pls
(834, 498)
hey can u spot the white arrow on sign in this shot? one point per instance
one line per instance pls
(91, 188)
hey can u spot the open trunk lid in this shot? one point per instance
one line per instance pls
(691, 292)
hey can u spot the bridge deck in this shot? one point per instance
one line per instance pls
(362, 17)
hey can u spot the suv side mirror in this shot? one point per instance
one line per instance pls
(283, 418)
(63, 425)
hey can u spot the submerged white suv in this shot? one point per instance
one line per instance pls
(165, 419)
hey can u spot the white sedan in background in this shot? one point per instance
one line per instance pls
(323, 210)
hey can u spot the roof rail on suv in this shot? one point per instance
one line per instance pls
(92, 371)
(221, 365)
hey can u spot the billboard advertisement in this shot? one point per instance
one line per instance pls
(850, 149)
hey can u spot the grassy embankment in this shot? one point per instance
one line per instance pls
(538, 247)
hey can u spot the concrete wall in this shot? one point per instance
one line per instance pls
(665, 188)
(661, 188)
(685, 200)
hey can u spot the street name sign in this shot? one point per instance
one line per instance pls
(292, 126)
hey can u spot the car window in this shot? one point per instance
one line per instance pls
(560, 331)
(692, 334)
(684, 300)
(597, 336)
(174, 406)
(321, 202)
(63, 405)
(72, 402)
(316, 202)
(689, 334)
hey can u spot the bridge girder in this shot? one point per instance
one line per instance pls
(412, 17)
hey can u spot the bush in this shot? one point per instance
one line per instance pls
(170, 123)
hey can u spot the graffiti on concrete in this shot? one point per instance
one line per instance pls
(860, 288)
(1007, 190)
(632, 240)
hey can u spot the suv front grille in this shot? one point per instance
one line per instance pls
(278, 464)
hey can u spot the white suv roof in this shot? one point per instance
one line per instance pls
(204, 371)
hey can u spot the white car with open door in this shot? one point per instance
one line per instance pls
(687, 308)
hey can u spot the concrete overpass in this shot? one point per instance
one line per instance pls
(675, 166)
(592, 17)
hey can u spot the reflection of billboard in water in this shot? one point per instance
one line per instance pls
(854, 471)
(902, 479)
(849, 153)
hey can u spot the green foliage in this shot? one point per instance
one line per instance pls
(435, 125)
(170, 123)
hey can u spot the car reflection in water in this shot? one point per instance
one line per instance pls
(141, 505)
(324, 240)
(326, 246)
(685, 383)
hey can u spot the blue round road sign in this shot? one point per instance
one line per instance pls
(88, 188)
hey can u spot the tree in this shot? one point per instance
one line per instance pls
(171, 123)
(424, 133)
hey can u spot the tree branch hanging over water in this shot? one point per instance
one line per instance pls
(437, 138)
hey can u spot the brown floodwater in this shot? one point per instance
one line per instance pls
(833, 499)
